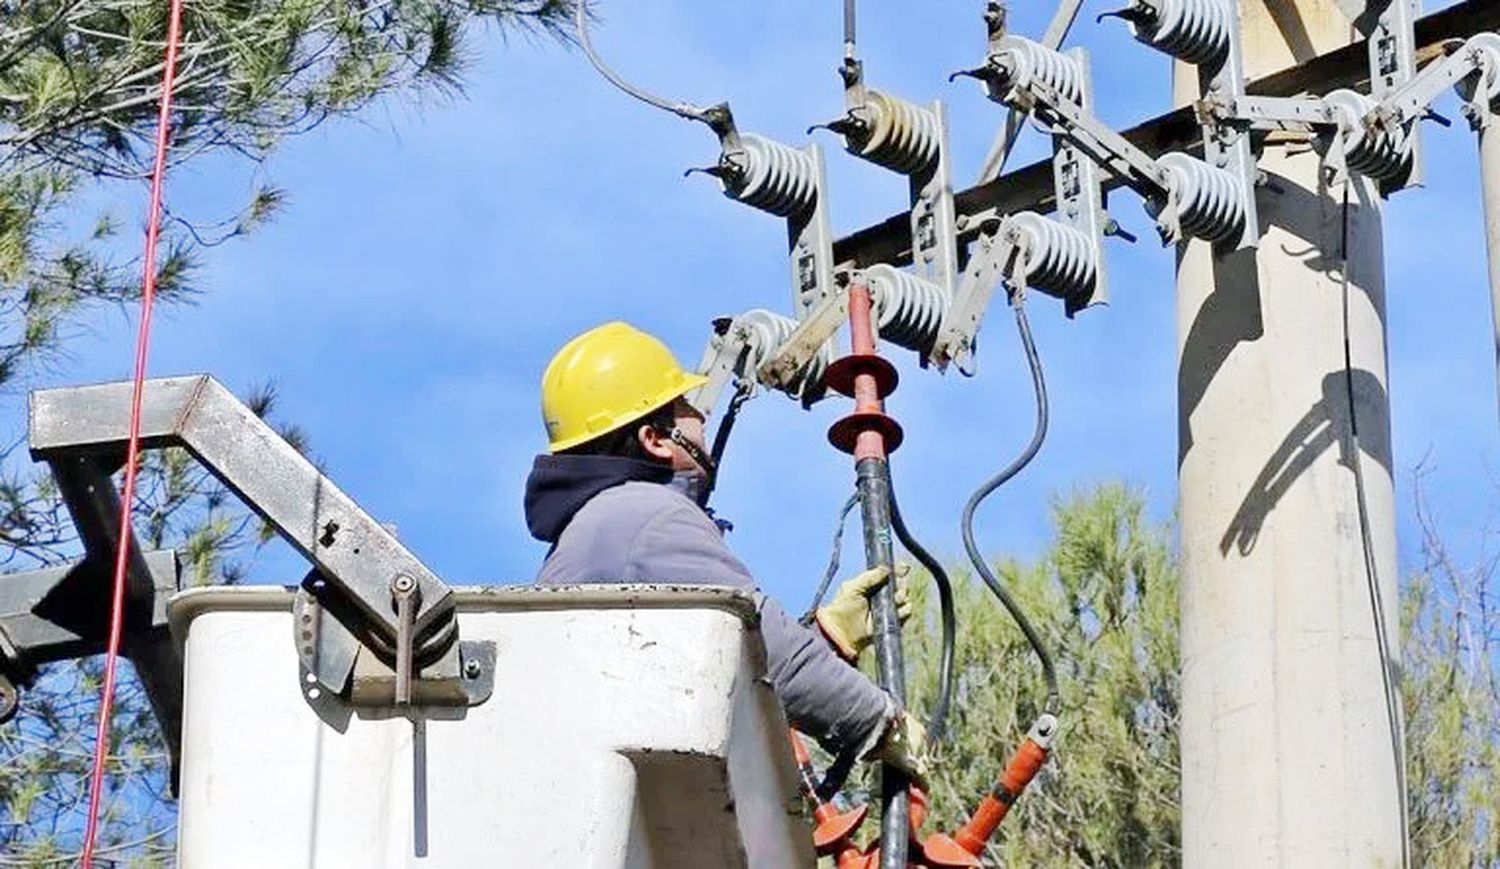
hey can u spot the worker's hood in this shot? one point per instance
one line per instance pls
(559, 486)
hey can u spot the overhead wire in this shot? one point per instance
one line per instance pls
(1367, 546)
(988, 487)
(849, 30)
(133, 442)
(680, 109)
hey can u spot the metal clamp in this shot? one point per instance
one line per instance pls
(806, 342)
(993, 256)
(338, 666)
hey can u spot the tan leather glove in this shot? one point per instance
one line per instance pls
(904, 746)
(846, 620)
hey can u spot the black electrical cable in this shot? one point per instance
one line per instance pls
(833, 559)
(1039, 385)
(937, 719)
(682, 110)
(721, 437)
(1377, 606)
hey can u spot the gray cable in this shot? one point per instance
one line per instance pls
(849, 29)
(1377, 606)
(682, 110)
(833, 559)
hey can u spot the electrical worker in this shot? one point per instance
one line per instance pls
(619, 500)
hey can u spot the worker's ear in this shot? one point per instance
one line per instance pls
(655, 442)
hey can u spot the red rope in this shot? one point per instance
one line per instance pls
(132, 452)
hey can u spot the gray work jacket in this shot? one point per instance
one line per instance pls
(615, 520)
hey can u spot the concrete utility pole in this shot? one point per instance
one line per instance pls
(1489, 169)
(1286, 750)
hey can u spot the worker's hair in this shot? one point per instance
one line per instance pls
(623, 440)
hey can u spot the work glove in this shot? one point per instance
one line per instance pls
(903, 744)
(846, 620)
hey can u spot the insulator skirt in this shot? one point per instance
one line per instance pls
(909, 309)
(765, 332)
(777, 178)
(1196, 31)
(1374, 153)
(901, 136)
(1058, 258)
(1210, 201)
(1029, 61)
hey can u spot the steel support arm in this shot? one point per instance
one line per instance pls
(52, 614)
(197, 413)
(1116, 154)
(1409, 103)
(56, 614)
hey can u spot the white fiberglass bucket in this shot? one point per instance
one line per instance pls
(629, 727)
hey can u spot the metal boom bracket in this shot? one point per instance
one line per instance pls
(399, 610)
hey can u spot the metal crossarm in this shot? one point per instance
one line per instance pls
(1030, 188)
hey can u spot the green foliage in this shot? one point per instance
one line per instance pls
(1451, 700)
(80, 81)
(1104, 597)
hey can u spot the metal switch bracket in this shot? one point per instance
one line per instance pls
(811, 338)
(1392, 43)
(1225, 145)
(993, 257)
(934, 236)
(1080, 193)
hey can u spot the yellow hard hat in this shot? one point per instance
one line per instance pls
(605, 378)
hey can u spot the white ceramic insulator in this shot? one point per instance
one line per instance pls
(1059, 259)
(1029, 61)
(777, 178)
(1210, 201)
(901, 136)
(1374, 153)
(1196, 31)
(765, 332)
(909, 310)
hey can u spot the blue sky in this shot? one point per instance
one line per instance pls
(435, 253)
